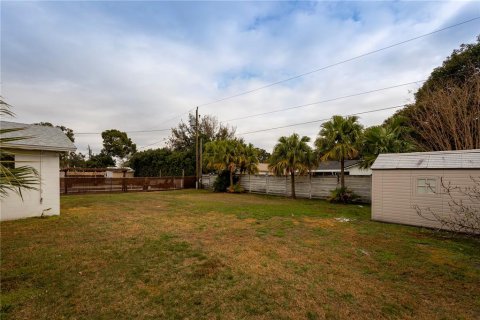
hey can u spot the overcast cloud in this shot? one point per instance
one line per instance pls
(93, 66)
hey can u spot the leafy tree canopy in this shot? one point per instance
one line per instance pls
(101, 160)
(183, 136)
(151, 163)
(458, 67)
(443, 116)
(263, 155)
(117, 144)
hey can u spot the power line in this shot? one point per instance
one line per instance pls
(338, 63)
(322, 101)
(138, 131)
(151, 144)
(320, 120)
(339, 98)
(141, 131)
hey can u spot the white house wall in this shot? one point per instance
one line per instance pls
(394, 194)
(46, 200)
(356, 171)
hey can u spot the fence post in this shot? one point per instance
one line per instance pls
(65, 185)
(286, 186)
(310, 178)
(250, 183)
(266, 182)
(183, 179)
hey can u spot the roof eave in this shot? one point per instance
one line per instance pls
(39, 148)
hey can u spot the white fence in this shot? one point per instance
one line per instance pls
(305, 186)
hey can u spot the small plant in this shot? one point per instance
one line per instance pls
(237, 188)
(343, 195)
(222, 182)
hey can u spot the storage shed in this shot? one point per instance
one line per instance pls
(40, 151)
(404, 183)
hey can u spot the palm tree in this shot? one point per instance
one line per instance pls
(249, 159)
(291, 154)
(338, 139)
(13, 178)
(388, 138)
(223, 155)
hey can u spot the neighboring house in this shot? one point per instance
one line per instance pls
(82, 172)
(401, 182)
(332, 168)
(110, 172)
(40, 151)
(263, 169)
(124, 172)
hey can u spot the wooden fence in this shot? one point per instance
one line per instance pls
(305, 186)
(77, 185)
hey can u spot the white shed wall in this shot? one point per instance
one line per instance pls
(394, 194)
(47, 199)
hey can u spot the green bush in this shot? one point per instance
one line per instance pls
(222, 182)
(343, 195)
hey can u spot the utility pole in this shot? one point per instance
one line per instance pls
(200, 167)
(196, 149)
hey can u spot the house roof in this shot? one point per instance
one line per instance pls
(39, 137)
(122, 169)
(459, 159)
(263, 167)
(334, 165)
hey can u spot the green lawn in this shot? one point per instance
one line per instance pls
(199, 255)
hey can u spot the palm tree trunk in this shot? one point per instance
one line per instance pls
(342, 172)
(293, 184)
(231, 178)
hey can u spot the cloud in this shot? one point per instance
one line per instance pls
(98, 65)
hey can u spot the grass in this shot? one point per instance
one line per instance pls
(200, 255)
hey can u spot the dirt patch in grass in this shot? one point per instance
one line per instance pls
(200, 255)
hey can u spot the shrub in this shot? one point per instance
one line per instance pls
(237, 188)
(343, 195)
(222, 182)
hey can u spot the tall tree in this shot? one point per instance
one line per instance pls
(457, 68)
(446, 111)
(117, 144)
(390, 137)
(448, 117)
(338, 139)
(183, 136)
(12, 177)
(292, 155)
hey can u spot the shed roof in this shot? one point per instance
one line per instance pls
(39, 137)
(458, 159)
(334, 165)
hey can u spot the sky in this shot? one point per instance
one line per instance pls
(93, 66)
